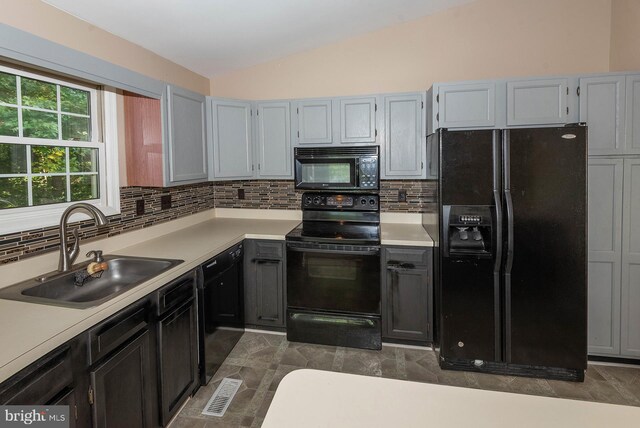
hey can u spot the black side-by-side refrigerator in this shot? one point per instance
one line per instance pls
(512, 272)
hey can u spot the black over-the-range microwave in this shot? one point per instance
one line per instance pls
(337, 168)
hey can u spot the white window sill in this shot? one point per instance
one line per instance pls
(22, 220)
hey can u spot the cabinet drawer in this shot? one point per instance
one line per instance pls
(175, 293)
(40, 382)
(110, 334)
(417, 257)
(265, 249)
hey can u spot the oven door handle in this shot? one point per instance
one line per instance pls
(371, 252)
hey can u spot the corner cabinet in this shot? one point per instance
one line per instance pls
(166, 138)
(273, 143)
(407, 290)
(231, 139)
(187, 142)
(404, 154)
(265, 288)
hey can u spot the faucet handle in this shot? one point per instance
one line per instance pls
(97, 255)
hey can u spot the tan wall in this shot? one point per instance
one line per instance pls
(625, 35)
(484, 39)
(50, 23)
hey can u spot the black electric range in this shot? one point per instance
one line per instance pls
(333, 271)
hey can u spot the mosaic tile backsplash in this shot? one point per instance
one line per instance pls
(280, 194)
(190, 199)
(185, 200)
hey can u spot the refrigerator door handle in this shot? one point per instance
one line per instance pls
(506, 165)
(509, 202)
(497, 200)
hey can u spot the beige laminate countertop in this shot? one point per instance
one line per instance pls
(31, 330)
(315, 399)
(410, 234)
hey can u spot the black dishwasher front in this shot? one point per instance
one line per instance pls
(220, 309)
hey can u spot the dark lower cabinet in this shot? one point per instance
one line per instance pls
(120, 395)
(68, 398)
(407, 308)
(42, 383)
(265, 283)
(178, 358)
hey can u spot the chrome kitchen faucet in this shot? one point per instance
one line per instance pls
(68, 256)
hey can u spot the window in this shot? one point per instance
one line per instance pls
(52, 152)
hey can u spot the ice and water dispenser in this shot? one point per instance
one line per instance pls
(468, 231)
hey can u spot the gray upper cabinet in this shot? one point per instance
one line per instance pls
(630, 328)
(403, 148)
(537, 102)
(314, 121)
(605, 255)
(466, 105)
(187, 144)
(274, 140)
(602, 108)
(358, 120)
(632, 136)
(232, 147)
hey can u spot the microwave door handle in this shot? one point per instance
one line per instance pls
(357, 172)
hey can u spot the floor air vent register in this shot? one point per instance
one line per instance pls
(222, 397)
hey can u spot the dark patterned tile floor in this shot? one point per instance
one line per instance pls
(262, 360)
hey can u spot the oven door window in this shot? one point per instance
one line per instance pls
(325, 173)
(333, 281)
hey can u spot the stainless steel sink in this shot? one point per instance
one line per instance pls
(61, 289)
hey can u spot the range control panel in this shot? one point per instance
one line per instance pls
(340, 201)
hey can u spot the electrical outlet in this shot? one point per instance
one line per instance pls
(165, 202)
(140, 207)
(240, 193)
(402, 196)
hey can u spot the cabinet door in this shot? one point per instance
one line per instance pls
(406, 294)
(466, 105)
(265, 283)
(120, 387)
(537, 102)
(604, 259)
(314, 122)
(274, 140)
(632, 137)
(69, 399)
(403, 136)
(630, 329)
(269, 277)
(231, 139)
(602, 108)
(178, 358)
(358, 120)
(187, 137)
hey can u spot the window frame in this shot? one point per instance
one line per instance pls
(103, 111)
